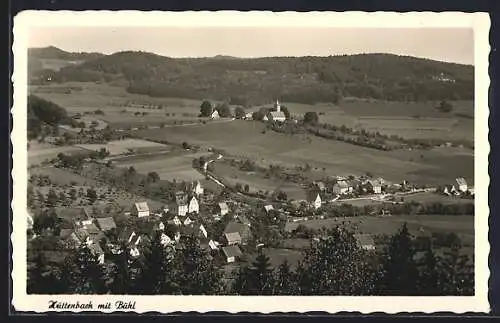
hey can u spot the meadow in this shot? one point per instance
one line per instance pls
(462, 225)
(169, 166)
(248, 139)
(120, 147)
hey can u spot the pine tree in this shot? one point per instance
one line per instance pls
(260, 276)
(400, 273)
(285, 283)
(154, 279)
(428, 282)
(83, 274)
(335, 265)
(193, 271)
(121, 273)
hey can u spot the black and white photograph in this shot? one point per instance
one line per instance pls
(239, 155)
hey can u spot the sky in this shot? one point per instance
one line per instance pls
(443, 44)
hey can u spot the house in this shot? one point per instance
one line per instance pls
(232, 238)
(471, 190)
(176, 221)
(375, 186)
(231, 253)
(97, 251)
(277, 115)
(131, 237)
(106, 224)
(215, 115)
(134, 252)
(177, 236)
(193, 206)
(161, 226)
(181, 203)
(242, 229)
(462, 184)
(140, 209)
(214, 245)
(203, 231)
(187, 221)
(165, 240)
(78, 216)
(341, 187)
(249, 116)
(365, 241)
(314, 199)
(268, 208)
(223, 208)
(197, 188)
(265, 118)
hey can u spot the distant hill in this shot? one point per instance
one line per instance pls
(52, 52)
(296, 79)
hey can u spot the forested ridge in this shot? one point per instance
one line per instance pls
(296, 79)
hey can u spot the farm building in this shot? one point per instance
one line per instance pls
(268, 208)
(375, 186)
(140, 209)
(193, 207)
(242, 229)
(223, 208)
(232, 253)
(78, 216)
(215, 115)
(106, 224)
(197, 188)
(341, 187)
(461, 184)
(365, 241)
(232, 238)
(314, 199)
(181, 206)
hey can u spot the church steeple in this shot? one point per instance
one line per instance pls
(277, 105)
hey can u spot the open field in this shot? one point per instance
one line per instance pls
(462, 225)
(406, 119)
(38, 154)
(120, 147)
(247, 139)
(168, 166)
(257, 182)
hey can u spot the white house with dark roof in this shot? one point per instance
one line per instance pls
(193, 207)
(140, 209)
(461, 184)
(375, 186)
(341, 187)
(223, 208)
(197, 188)
(181, 204)
(314, 199)
(215, 115)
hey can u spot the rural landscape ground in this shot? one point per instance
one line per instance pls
(167, 136)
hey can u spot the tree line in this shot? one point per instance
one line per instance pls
(257, 81)
(334, 264)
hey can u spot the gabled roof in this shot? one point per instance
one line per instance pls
(231, 251)
(374, 182)
(142, 206)
(461, 181)
(313, 196)
(234, 227)
(232, 236)
(268, 207)
(277, 115)
(223, 206)
(181, 198)
(72, 213)
(106, 224)
(342, 184)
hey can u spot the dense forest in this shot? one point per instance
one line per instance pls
(296, 79)
(43, 114)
